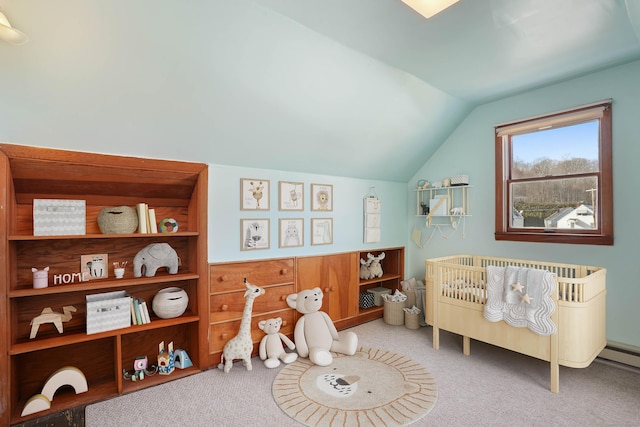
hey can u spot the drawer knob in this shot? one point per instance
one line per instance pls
(223, 278)
(284, 271)
(224, 336)
(284, 323)
(224, 307)
(326, 290)
(283, 297)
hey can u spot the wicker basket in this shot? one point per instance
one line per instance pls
(412, 320)
(120, 220)
(393, 312)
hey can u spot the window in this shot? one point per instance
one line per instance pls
(554, 178)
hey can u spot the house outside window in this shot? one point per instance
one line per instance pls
(554, 177)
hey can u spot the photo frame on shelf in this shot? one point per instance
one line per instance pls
(291, 196)
(94, 266)
(322, 197)
(254, 234)
(254, 194)
(291, 232)
(321, 231)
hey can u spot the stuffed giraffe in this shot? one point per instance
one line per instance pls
(241, 346)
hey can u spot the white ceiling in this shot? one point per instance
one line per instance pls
(356, 88)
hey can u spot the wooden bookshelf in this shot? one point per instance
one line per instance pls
(174, 189)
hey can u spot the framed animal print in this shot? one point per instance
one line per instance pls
(321, 197)
(254, 234)
(291, 232)
(254, 194)
(321, 231)
(291, 196)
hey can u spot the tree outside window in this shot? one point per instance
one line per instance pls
(554, 178)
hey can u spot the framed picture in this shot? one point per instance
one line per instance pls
(291, 232)
(321, 231)
(254, 194)
(291, 196)
(254, 234)
(321, 197)
(94, 266)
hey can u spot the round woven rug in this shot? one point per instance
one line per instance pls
(373, 387)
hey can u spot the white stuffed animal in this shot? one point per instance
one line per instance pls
(375, 268)
(271, 348)
(365, 274)
(315, 334)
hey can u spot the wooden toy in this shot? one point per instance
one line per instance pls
(49, 316)
(66, 376)
(166, 359)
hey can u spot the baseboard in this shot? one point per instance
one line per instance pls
(621, 353)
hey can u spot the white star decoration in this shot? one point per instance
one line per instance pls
(526, 298)
(517, 287)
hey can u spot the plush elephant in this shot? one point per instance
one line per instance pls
(154, 256)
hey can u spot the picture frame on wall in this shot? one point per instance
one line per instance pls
(291, 232)
(254, 234)
(321, 231)
(254, 194)
(291, 196)
(321, 197)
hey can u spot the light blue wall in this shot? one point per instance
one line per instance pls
(470, 150)
(347, 214)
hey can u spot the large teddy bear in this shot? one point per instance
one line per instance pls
(315, 334)
(271, 348)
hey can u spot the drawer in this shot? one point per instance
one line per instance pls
(220, 334)
(230, 277)
(230, 306)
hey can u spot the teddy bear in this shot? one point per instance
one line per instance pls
(315, 335)
(271, 348)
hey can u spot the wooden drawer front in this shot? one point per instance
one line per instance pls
(230, 306)
(221, 333)
(230, 277)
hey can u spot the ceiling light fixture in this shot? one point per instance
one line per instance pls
(10, 34)
(428, 8)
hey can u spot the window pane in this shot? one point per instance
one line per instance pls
(558, 151)
(555, 204)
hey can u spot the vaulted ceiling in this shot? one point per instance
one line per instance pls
(357, 88)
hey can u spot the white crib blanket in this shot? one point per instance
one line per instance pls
(521, 297)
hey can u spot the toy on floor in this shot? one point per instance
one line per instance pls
(241, 346)
(49, 316)
(315, 334)
(271, 348)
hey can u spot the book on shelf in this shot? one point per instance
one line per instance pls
(143, 215)
(153, 223)
(144, 312)
(134, 321)
(136, 306)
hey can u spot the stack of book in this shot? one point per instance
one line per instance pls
(139, 312)
(147, 222)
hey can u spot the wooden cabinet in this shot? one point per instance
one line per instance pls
(227, 302)
(393, 274)
(337, 276)
(175, 189)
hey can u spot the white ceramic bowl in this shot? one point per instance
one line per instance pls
(170, 302)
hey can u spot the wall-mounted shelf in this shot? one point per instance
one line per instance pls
(449, 203)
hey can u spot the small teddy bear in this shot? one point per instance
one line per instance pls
(271, 348)
(315, 334)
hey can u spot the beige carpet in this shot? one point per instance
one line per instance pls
(373, 387)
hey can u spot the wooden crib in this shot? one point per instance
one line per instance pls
(456, 295)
